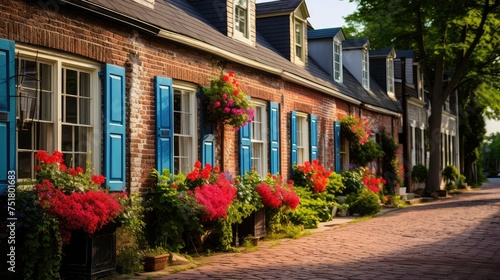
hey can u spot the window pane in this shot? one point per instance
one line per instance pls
(44, 136)
(67, 138)
(80, 160)
(45, 77)
(71, 82)
(25, 139)
(25, 165)
(28, 73)
(45, 107)
(84, 111)
(80, 139)
(71, 110)
(84, 84)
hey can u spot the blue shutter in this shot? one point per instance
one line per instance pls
(114, 127)
(7, 112)
(246, 148)
(293, 138)
(274, 137)
(313, 139)
(164, 124)
(336, 125)
(207, 138)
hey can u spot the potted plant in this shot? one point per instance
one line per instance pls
(344, 207)
(76, 217)
(419, 175)
(225, 102)
(155, 258)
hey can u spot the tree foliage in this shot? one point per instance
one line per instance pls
(449, 36)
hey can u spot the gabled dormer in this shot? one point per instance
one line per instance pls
(413, 74)
(234, 18)
(325, 47)
(355, 57)
(283, 24)
(382, 69)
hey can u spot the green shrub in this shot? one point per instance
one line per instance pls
(335, 184)
(365, 203)
(451, 186)
(450, 173)
(352, 180)
(419, 173)
(129, 260)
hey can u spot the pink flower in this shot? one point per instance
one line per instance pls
(224, 96)
(230, 102)
(227, 110)
(216, 104)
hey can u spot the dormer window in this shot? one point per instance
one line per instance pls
(299, 39)
(241, 18)
(390, 76)
(337, 61)
(364, 69)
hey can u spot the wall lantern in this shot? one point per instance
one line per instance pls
(27, 93)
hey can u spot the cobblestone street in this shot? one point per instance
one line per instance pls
(453, 238)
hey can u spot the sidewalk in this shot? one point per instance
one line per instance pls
(411, 242)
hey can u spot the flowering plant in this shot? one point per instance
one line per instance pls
(213, 190)
(355, 129)
(275, 193)
(373, 182)
(74, 197)
(312, 175)
(226, 102)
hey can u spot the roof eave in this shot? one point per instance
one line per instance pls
(113, 15)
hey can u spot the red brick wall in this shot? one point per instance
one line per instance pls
(144, 56)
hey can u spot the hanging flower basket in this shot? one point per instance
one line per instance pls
(225, 102)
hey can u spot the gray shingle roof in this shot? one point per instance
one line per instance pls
(381, 52)
(281, 6)
(405, 53)
(178, 16)
(354, 43)
(323, 33)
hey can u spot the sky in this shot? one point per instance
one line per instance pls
(330, 13)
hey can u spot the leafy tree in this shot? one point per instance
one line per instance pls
(452, 35)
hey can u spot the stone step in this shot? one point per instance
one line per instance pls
(407, 196)
(414, 201)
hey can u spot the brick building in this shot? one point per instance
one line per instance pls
(123, 80)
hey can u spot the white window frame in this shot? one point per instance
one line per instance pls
(365, 78)
(344, 153)
(337, 52)
(260, 156)
(190, 158)
(302, 138)
(299, 43)
(237, 34)
(390, 76)
(58, 61)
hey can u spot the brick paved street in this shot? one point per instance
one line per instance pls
(454, 238)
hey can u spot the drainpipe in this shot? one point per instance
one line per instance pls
(406, 138)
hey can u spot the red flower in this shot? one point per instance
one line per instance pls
(225, 78)
(42, 156)
(98, 179)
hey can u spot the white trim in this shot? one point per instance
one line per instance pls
(303, 119)
(191, 90)
(217, 51)
(263, 105)
(58, 61)
(287, 76)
